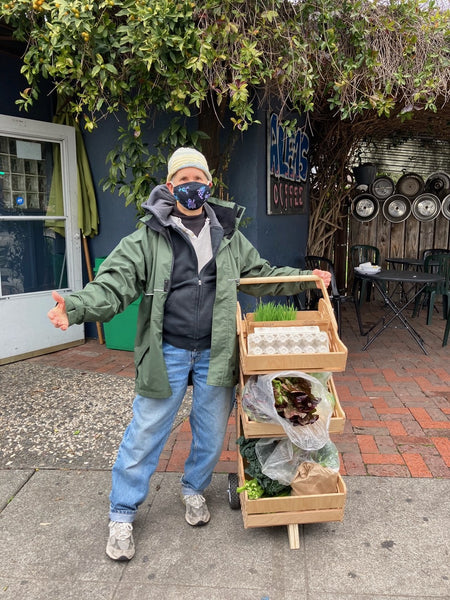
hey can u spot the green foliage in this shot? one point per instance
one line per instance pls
(134, 170)
(269, 486)
(145, 57)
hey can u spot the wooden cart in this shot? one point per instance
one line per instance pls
(289, 510)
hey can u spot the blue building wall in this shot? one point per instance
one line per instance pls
(13, 83)
(281, 239)
(116, 219)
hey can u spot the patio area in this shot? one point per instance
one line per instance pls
(396, 399)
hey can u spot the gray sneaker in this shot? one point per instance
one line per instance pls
(120, 545)
(197, 512)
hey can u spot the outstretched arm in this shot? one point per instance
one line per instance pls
(58, 314)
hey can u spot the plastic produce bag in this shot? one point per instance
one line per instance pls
(324, 377)
(271, 487)
(258, 401)
(280, 459)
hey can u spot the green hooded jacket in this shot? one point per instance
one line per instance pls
(141, 264)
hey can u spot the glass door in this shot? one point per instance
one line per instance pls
(40, 246)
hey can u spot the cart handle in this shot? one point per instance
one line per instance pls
(287, 279)
(238, 319)
(284, 279)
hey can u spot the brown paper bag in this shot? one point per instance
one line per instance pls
(312, 478)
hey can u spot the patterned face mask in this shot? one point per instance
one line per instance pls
(192, 195)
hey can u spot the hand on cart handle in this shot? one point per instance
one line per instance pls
(325, 276)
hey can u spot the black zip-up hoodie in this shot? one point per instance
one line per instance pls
(190, 300)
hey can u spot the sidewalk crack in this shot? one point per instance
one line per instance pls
(5, 504)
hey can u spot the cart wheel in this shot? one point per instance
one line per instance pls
(233, 496)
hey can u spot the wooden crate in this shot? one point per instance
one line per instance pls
(290, 510)
(257, 429)
(334, 360)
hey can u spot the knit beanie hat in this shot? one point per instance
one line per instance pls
(187, 157)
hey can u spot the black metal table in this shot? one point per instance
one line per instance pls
(404, 263)
(380, 279)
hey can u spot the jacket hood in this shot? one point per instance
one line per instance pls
(161, 203)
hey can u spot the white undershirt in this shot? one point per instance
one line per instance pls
(201, 243)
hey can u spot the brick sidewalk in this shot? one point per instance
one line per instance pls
(396, 400)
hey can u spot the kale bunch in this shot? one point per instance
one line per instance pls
(253, 469)
(294, 400)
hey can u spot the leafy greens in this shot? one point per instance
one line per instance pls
(294, 400)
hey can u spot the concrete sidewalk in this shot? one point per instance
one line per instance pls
(392, 545)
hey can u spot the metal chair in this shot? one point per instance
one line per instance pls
(362, 253)
(436, 263)
(447, 330)
(324, 264)
(429, 251)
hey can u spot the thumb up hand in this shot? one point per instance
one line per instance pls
(58, 314)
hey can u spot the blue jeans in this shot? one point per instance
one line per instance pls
(150, 427)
